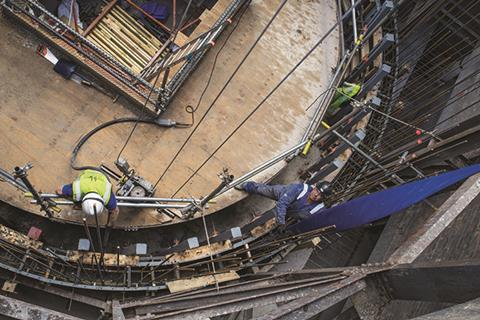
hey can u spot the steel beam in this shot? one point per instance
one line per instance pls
(387, 40)
(307, 308)
(18, 309)
(465, 311)
(370, 303)
(453, 282)
(117, 313)
(384, 70)
(282, 291)
(441, 219)
(203, 311)
(91, 301)
(386, 8)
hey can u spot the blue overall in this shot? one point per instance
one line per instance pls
(292, 199)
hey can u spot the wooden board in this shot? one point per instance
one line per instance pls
(263, 229)
(110, 259)
(18, 238)
(200, 252)
(200, 282)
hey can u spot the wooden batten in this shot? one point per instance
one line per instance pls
(124, 38)
(105, 10)
(120, 47)
(134, 29)
(123, 15)
(200, 282)
(110, 259)
(200, 252)
(261, 230)
(18, 239)
(129, 39)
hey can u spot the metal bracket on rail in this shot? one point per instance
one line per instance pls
(194, 207)
(46, 205)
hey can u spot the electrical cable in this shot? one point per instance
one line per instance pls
(88, 135)
(142, 112)
(282, 4)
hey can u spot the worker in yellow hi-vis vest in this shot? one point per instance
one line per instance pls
(93, 190)
(340, 105)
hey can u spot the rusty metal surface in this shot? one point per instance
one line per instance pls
(438, 222)
(18, 309)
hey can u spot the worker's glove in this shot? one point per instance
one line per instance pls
(278, 220)
(282, 229)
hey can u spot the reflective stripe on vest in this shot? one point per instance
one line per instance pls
(317, 208)
(304, 191)
(106, 194)
(77, 193)
(92, 181)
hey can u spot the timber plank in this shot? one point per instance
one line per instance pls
(200, 282)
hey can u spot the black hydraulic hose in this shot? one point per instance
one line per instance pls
(164, 123)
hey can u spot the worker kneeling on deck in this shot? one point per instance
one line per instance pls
(93, 190)
(298, 200)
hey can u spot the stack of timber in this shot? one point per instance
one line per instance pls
(207, 20)
(124, 38)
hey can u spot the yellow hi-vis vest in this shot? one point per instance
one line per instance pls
(91, 181)
(342, 95)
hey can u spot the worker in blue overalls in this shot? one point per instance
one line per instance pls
(298, 200)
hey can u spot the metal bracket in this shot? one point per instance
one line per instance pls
(45, 205)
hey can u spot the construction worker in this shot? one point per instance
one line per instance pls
(340, 105)
(93, 190)
(295, 200)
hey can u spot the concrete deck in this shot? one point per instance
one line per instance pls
(43, 116)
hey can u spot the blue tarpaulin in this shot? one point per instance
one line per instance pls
(156, 10)
(374, 206)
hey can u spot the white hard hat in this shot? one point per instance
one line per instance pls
(91, 202)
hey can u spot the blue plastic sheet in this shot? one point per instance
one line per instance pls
(374, 206)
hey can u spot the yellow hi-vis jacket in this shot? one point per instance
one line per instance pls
(91, 181)
(342, 95)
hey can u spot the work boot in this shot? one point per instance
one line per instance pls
(240, 187)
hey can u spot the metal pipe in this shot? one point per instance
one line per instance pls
(190, 24)
(340, 25)
(21, 173)
(264, 166)
(127, 205)
(148, 199)
(99, 234)
(365, 155)
(7, 177)
(283, 155)
(191, 209)
(321, 109)
(354, 21)
(174, 22)
(89, 236)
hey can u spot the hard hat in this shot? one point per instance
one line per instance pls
(92, 202)
(324, 187)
